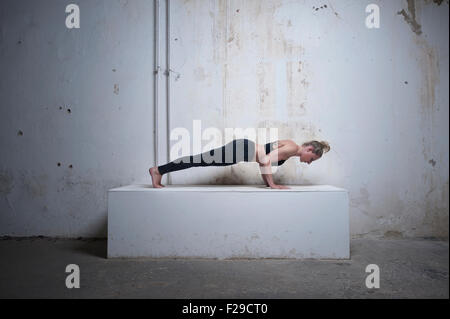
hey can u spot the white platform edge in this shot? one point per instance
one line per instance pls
(226, 188)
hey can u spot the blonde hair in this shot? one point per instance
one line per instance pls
(319, 147)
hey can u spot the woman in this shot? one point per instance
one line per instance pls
(270, 154)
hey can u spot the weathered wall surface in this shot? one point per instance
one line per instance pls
(81, 98)
(315, 71)
(312, 69)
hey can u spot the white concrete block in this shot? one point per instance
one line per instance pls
(309, 221)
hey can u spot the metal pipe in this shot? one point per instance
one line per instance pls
(169, 179)
(156, 82)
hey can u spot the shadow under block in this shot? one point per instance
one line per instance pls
(306, 221)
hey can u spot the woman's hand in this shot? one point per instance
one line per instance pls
(274, 186)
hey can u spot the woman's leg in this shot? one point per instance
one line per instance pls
(229, 154)
(215, 157)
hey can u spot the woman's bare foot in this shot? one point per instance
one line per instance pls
(156, 177)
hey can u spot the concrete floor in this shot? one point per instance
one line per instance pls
(35, 268)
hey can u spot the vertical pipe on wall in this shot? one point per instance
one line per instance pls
(168, 83)
(156, 84)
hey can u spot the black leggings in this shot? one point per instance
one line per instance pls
(229, 154)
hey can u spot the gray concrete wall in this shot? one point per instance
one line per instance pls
(102, 72)
(379, 96)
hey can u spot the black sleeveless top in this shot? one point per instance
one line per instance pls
(269, 148)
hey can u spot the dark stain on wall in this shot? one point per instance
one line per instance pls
(6, 182)
(393, 234)
(319, 8)
(410, 17)
(68, 110)
(224, 179)
(432, 162)
(410, 14)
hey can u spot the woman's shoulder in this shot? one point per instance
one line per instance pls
(281, 143)
(286, 143)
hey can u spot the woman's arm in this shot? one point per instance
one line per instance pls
(265, 166)
(266, 181)
(267, 177)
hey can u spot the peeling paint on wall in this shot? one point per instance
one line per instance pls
(433, 203)
(430, 71)
(438, 2)
(410, 17)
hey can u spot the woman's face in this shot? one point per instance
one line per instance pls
(308, 156)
